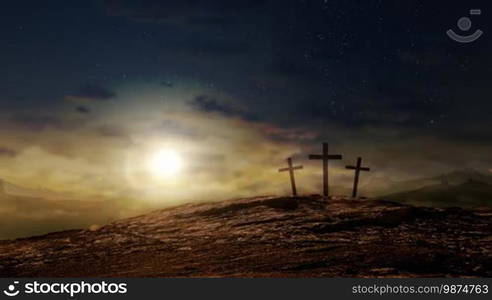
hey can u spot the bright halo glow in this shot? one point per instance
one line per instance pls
(165, 163)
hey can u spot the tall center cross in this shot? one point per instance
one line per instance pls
(291, 169)
(325, 157)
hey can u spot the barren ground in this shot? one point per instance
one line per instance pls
(267, 237)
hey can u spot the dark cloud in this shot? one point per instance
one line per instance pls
(5, 151)
(167, 84)
(83, 110)
(210, 104)
(112, 131)
(91, 93)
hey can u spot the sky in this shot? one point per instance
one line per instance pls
(92, 91)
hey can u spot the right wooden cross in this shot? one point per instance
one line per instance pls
(325, 158)
(357, 169)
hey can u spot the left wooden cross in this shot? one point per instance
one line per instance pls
(291, 168)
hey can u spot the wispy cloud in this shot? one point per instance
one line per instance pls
(37, 122)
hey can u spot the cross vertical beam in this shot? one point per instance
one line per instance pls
(325, 169)
(291, 168)
(325, 157)
(358, 167)
(356, 179)
(291, 175)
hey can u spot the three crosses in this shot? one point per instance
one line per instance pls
(325, 157)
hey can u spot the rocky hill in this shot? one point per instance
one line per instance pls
(267, 237)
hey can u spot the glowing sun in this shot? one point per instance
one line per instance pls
(166, 163)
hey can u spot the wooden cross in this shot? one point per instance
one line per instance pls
(325, 157)
(357, 169)
(291, 169)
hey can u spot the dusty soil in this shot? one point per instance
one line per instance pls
(267, 237)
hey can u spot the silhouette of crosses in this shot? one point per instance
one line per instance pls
(291, 170)
(325, 157)
(358, 167)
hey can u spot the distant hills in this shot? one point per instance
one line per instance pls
(464, 188)
(382, 186)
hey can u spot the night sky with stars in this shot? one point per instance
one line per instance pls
(91, 90)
